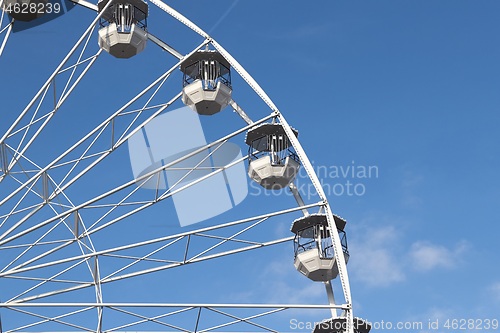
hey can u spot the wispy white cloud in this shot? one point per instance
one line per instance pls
(303, 32)
(439, 314)
(306, 37)
(431, 320)
(410, 185)
(374, 260)
(312, 30)
(434, 318)
(425, 256)
(495, 291)
(380, 257)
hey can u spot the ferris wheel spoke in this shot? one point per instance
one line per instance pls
(165, 46)
(190, 241)
(239, 110)
(86, 4)
(39, 279)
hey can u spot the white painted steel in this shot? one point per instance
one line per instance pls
(69, 214)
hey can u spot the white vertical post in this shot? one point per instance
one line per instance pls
(77, 225)
(298, 198)
(45, 187)
(3, 159)
(331, 298)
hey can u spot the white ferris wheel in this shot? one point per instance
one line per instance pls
(78, 206)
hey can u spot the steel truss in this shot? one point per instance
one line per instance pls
(62, 243)
(203, 315)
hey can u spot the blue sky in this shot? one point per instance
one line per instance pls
(407, 87)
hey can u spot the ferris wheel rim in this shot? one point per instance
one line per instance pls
(288, 129)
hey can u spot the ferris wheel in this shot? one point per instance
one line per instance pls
(80, 246)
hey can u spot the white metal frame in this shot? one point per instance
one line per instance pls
(49, 192)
